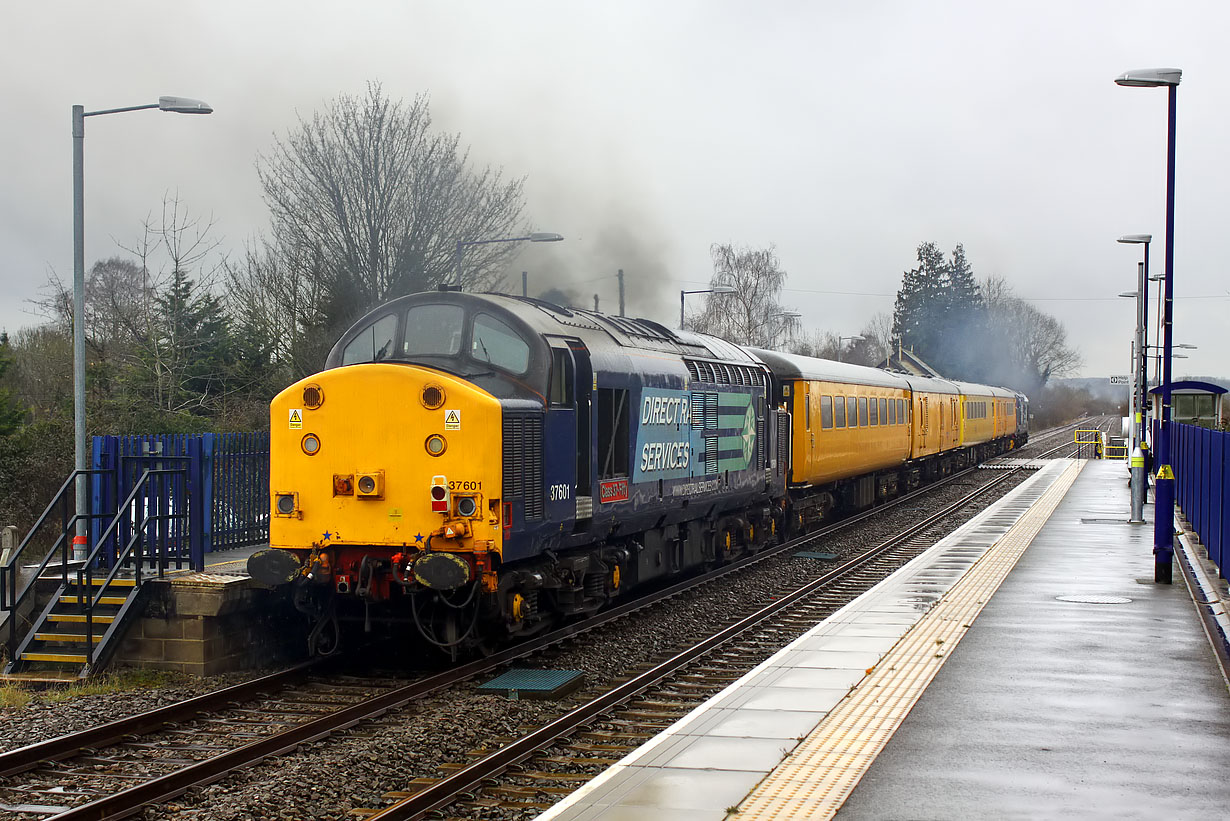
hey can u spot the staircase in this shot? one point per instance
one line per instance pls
(77, 629)
(74, 633)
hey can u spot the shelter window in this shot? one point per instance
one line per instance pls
(826, 412)
(374, 343)
(852, 411)
(433, 330)
(875, 411)
(612, 432)
(839, 411)
(862, 411)
(498, 344)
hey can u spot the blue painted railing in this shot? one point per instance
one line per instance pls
(1201, 461)
(223, 487)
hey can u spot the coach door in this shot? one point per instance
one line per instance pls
(568, 447)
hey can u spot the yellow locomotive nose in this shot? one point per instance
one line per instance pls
(386, 434)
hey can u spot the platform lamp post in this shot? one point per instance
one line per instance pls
(1136, 411)
(537, 236)
(1141, 364)
(841, 339)
(716, 289)
(176, 105)
(1163, 494)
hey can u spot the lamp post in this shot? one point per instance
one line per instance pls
(787, 318)
(1136, 412)
(1163, 494)
(716, 289)
(1140, 378)
(841, 339)
(537, 236)
(176, 105)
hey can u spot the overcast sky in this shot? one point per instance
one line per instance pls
(843, 133)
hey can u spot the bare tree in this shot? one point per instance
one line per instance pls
(367, 198)
(752, 313)
(1026, 347)
(878, 337)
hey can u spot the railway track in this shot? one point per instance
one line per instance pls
(156, 756)
(578, 745)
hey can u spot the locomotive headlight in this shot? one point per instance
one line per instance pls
(369, 485)
(310, 444)
(285, 504)
(467, 506)
(436, 444)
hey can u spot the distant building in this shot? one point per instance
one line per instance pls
(908, 362)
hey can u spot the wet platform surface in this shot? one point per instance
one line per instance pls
(1077, 689)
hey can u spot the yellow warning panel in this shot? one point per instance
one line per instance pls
(815, 780)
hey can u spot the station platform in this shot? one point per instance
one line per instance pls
(1026, 666)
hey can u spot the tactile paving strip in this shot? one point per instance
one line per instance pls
(814, 780)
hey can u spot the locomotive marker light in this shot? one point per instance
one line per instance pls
(176, 105)
(1163, 494)
(717, 289)
(537, 236)
(439, 494)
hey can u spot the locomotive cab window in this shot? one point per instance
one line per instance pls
(433, 330)
(561, 389)
(374, 343)
(495, 343)
(826, 412)
(612, 433)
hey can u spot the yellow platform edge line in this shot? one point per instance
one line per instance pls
(814, 780)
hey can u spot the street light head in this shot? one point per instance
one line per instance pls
(1183, 346)
(1136, 238)
(545, 237)
(724, 289)
(184, 105)
(1132, 294)
(1150, 77)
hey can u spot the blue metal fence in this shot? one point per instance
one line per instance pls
(1201, 463)
(223, 486)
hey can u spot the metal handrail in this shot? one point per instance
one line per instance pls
(10, 597)
(86, 596)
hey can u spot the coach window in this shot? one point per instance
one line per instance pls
(883, 411)
(875, 411)
(807, 411)
(496, 343)
(839, 411)
(851, 412)
(901, 415)
(892, 411)
(862, 411)
(826, 412)
(374, 343)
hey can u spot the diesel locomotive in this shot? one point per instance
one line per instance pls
(474, 467)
